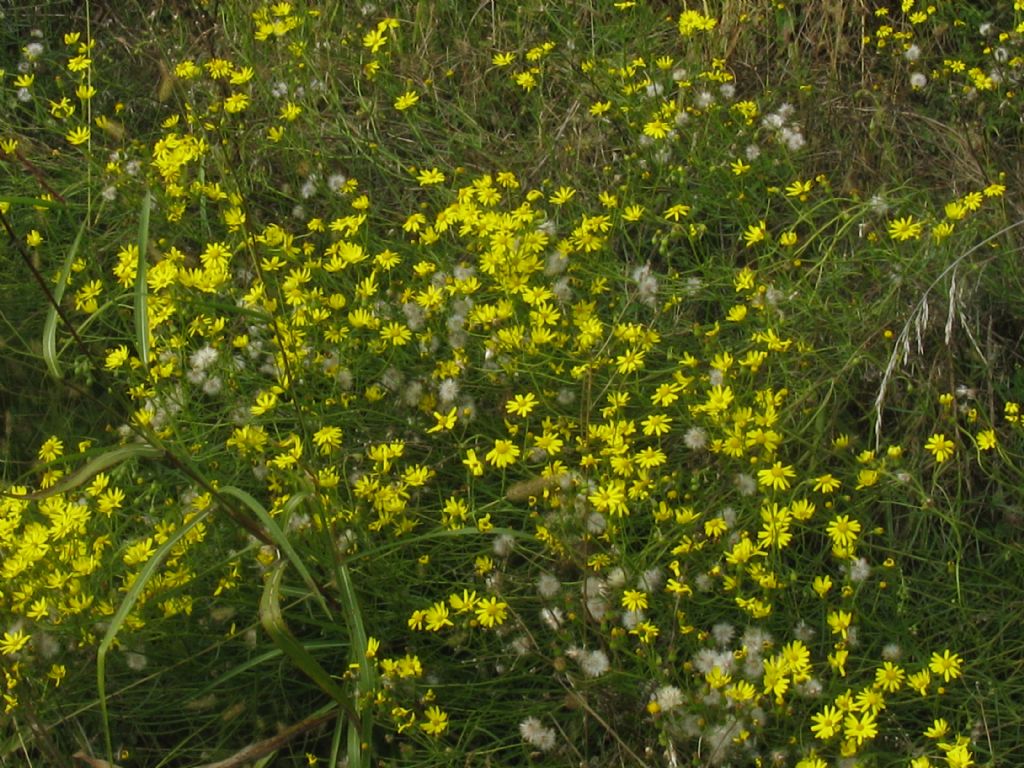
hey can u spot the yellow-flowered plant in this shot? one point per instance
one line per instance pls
(490, 461)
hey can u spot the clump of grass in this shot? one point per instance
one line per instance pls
(550, 400)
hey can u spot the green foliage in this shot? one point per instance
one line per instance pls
(514, 384)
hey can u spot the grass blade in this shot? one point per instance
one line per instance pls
(20, 200)
(359, 732)
(101, 463)
(117, 620)
(273, 622)
(50, 327)
(141, 288)
(279, 538)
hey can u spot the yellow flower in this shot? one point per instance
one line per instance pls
(955, 210)
(78, 135)
(491, 612)
(526, 81)
(562, 195)
(677, 211)
(521, 405)
(919, 681)
(327, 439)
(634, 600)
(837, 660)
(694, 21)
(465, 602)
(241, 76)
(870, 700)
(57, 673)
(62, 109)
(649, 458)
(647, 632)
(502, 454)
(79, 63)
(739, 167)
(839, 622)
(799, 189)
(938, 730)
(959, 756)
(843, 531)
(656, 129)
(866, 478)
(436, 723)
(827, 722)
(610, 498)
(821, 585)
(946, 664)
(987, 440)
(375, 39)
(473, 464)
(139, 552)
(776, 477)
(396, 334)
(436, 617)
(632, 213)
(755, 233)
(942, 230)
(429, 177)
(889, 677)
(971, 201)
(116, 358)
(406, 100)
(444, 421)
(905, 229)
(33, 238)
(657, 424)
(940, 447)
(630, 361)
(187, 70)
(236, 102)
(860, 729)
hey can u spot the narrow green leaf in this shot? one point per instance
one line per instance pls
(361, 731)
(257, 661)
(117, 620)
(19, 200)
(50, 327)
(279, 538)
(101, 463)
(273, 622)
(354, 619)
(141, 288)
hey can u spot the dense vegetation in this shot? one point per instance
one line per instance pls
(593, 383)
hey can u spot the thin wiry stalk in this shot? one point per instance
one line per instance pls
(918, 320)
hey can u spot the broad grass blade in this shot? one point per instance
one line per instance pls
(141, 288)
(50, 326)
(280, 539)
(117, 620)
(101, 463)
